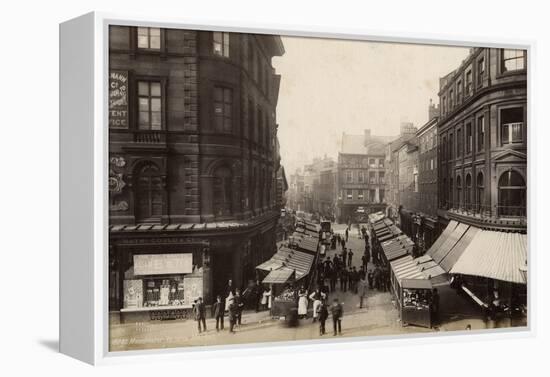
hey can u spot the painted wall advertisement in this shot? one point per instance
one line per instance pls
(118, 99)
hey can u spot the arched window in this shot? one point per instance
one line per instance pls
(458, 191)
(468, 191)
(222, 192)
(148, 201)
(512, 197)
(480, 186)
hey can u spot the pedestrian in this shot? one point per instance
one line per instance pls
(333, 278)
(370, 279)
(365, 260)
(337, 312)
(363, 285)
(233, 313)
(356, 279)
(218, 312)
(343, 280)
(362, 273)
(343, 244)
(200, 314)
(377, 277)
(302, 302)
(240, 305)
(347, 234)
(323, 315)
(229, 293)
(344, 256)
(350, 256)
(317, 297)
(265, 297)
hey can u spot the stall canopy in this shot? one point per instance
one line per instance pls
(375, 217)
(308, 244)
(406, 268)
(449, 261)
(449, 243)
(397, 247)
(294, 260)
(280, 276)
(495, 255)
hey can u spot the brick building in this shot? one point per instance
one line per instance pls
(193, 153)
(361, 181)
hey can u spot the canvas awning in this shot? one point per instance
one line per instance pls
(452, 257)
(495, 255)
(279, 276)
(406, 268)
(449, 243)
(294, 260)
(309, 244)
(442, 238)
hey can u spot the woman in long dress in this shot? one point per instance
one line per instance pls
(302, 302)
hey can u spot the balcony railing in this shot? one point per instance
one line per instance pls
(149, 137)
(485, 211)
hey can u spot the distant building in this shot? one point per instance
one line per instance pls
(361, 184)
(427, 181)
(392, 157)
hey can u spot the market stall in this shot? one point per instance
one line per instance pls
(412, 291)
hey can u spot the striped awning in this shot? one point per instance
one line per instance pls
(495, 255)
(294, 260)
(442, 238)
(406, 268)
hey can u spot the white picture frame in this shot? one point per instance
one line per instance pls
(84, 191)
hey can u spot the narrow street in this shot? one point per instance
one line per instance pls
(379, 317)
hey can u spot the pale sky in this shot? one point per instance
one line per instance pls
(333, 86)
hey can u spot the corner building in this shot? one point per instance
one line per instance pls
(193, 158)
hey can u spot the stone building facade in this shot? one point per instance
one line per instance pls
(193, 151)
(482, 134)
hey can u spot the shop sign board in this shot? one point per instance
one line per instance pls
(192, 288)
(133, 293)
(118, 99)
(163, 264)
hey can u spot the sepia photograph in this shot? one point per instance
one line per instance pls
(274, 188)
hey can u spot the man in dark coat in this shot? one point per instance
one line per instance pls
(218, 312)
(347, 234)
(333, 274)
(345, 257)
(337, 312)
(365, 260)
(343, 280)
(350, 256)
(240, 305)
(323, 315)
(200, 314)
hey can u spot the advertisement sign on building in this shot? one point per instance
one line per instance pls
(163, 264)
(118, 99)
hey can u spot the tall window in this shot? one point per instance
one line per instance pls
(260, 127)
(459, 142)
(469, 138)
(480, 133)
(444, 105)
(222, 192)
(451, 147)
(451, 191)
(459, 91)
(511, 125)
(349, 194)
(451, 99)
(148, 194)
(221, 43)
(512, 196)
(360, 194)
(480, 187)
(444, 148)
(469, 82)
(360, 176)
(458, 191)
(382, 177)
(513, 60)
(148, 38)
(372, 196)
(372, 162)
(223, 104)
(349, 176)
(372, 177)
(251, 122)
(468, 191)
(480, 70)
(382, 195)
(150, 105)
